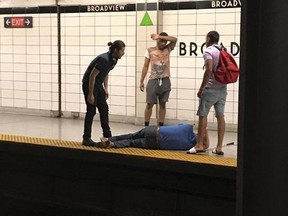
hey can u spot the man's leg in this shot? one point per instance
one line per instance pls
(162, 113)
(220, 131)
(202, 125)
(148, 113)
(136, 139)
(104, 116)
(206, 140)
(90, 113)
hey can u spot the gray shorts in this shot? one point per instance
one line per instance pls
(158, 88)
(212, 97)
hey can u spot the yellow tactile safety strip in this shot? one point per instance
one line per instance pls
(146, 153)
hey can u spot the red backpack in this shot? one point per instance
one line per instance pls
(227, 70)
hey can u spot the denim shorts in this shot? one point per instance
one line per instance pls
(212, 97)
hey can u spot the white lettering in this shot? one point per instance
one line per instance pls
(122, 7)
(100, 8)
(225, 4)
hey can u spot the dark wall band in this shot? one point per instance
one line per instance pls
(124, 7)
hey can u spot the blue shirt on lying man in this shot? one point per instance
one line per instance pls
(171, 137)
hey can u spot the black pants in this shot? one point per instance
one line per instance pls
(146, 138)
(102, 106)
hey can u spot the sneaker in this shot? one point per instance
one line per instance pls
(88, 142)
(104, 140)
(105, 143)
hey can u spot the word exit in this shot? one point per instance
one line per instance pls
(18, 22)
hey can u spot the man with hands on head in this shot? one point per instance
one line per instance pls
(159, 84)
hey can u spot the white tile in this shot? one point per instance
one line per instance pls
(20, 76)
(8, 85)
(19, 58)
(117, 110)
(170, 114)
(74, 107)
(45, 87)
(103, 21)
(187, 18)
(45, 31)
(21, 103)
(45, 77)
(72, 88)
(32, 41)
(33, 49)
(7, 102)
(33, 86)
(170, 19)
(7, 49)
(45, 59)
(225, 29)
(185, 115)
(45, 105)
(119, 20)
(19, 49)
(225, 18)
(86, 30)
(33, 104)
(118, 30)
(72, 40)
(87, 20)
(72, 98)
(33, 77)
(71, 20)
(117, 80)
(6, 58)
(46, 96)
(130, 111)
(32, 95)
(118, 90)
(44, 68)
(7, 93)
(72, 31)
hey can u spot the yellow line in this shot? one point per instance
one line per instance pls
(147, 153)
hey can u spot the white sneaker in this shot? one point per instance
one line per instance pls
(106, 143)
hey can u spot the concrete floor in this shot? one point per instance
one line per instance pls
(72, 129)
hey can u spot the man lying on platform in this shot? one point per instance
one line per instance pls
(171, 137)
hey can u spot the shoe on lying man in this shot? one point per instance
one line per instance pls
(105, 143)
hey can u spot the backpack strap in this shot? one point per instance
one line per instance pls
(221, 47)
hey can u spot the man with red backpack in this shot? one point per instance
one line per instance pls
(211, 93)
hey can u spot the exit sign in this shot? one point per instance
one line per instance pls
(18, 22)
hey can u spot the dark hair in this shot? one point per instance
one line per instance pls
(118, 44)
(214, 36)
(163, 34)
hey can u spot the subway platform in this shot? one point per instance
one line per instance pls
(45, 170)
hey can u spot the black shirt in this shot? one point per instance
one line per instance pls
(104, 63)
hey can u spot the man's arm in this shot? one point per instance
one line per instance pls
(92, 79)
(144, 73)
(207, 74)
(171, 39)
(106, 86)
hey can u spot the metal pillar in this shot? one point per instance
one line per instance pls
(263, 109)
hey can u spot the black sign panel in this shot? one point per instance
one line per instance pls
(18, 22)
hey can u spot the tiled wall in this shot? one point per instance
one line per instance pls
(29, 58)
(84, 36)
(28, 64)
